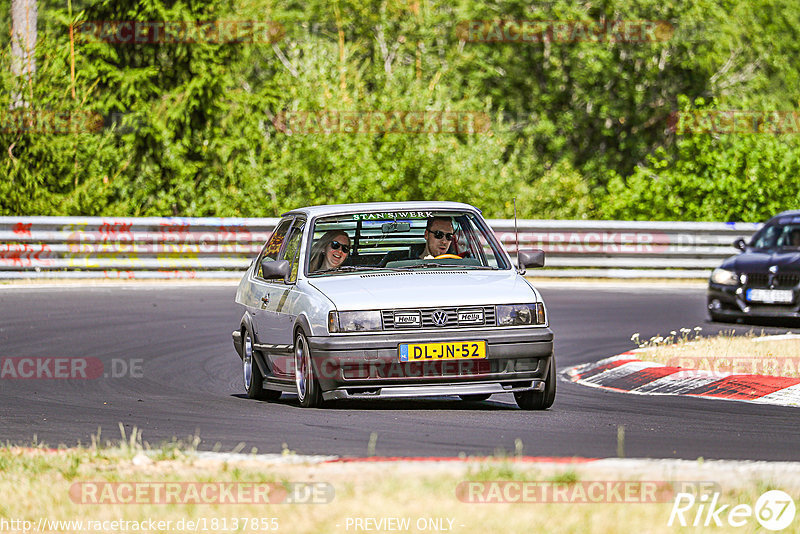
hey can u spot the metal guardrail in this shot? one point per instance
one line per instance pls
(625, 249)
(185, 248)
(104, 247)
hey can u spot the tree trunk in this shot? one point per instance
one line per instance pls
(23, 44)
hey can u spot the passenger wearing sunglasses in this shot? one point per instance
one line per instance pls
(330, 251)
(438, 237)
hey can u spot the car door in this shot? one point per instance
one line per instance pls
(258, 288)
(278, 315)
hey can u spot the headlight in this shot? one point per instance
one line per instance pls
(355, 321)
(724, 277)
(520, 314)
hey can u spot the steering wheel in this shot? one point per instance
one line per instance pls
(448, 257)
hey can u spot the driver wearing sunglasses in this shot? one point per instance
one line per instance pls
(438, 237)
(330, 251)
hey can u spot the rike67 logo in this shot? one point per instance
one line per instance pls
(774, 510)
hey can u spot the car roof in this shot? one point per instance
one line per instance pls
(368, 207)
(789, 213)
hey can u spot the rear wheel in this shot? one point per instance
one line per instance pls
(539, 400)
(308, 392)
(253, 381)
(475, 397)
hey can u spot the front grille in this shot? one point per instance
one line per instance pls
(757, 279)
(787, 280)
(778, 280)
(426, 317)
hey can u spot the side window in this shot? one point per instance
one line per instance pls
(291, 252)
(768, 237)
(481, 247)
(273, 246)
(790, 236)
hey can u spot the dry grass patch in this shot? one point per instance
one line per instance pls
(751, 353)
(36, 484)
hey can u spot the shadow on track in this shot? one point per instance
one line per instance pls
(365, 405)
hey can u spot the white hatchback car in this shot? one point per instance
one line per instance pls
(392, 299)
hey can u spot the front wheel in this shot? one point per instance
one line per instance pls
(308, 392)
(539, 400)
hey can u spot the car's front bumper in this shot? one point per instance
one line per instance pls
(729, 302)
(434, 390)
(367, 365)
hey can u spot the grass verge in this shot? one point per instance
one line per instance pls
(48, 485)
(751, 353)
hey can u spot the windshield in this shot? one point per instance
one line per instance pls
(785, 233)
(402, 241)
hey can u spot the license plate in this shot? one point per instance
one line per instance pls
(458, 350)
(770, 296)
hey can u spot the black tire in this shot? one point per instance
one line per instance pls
(253, 381)
(308, 391)
(475, 397)
(539, 400)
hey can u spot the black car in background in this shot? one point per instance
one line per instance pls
(763, 280)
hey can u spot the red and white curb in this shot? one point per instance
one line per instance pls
(627, 373)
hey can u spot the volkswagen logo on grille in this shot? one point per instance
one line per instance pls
(439, 318)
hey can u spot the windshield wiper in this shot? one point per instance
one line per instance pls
(435, 265)
(425, 265)
(346, 268)
(431, 265)
(351, 268)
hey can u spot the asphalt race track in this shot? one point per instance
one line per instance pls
(187, 381)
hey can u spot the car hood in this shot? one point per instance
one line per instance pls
(424, 289)
(761, 261)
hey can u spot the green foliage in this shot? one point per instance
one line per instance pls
(54, 161)
(561, 193)
(712, 177)
(578, 129)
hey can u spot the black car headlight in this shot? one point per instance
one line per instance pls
(354, 321)
(520, 314)
(724, 277)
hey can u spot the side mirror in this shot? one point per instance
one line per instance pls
(740, 244)
(531, 258)
(271, 269)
